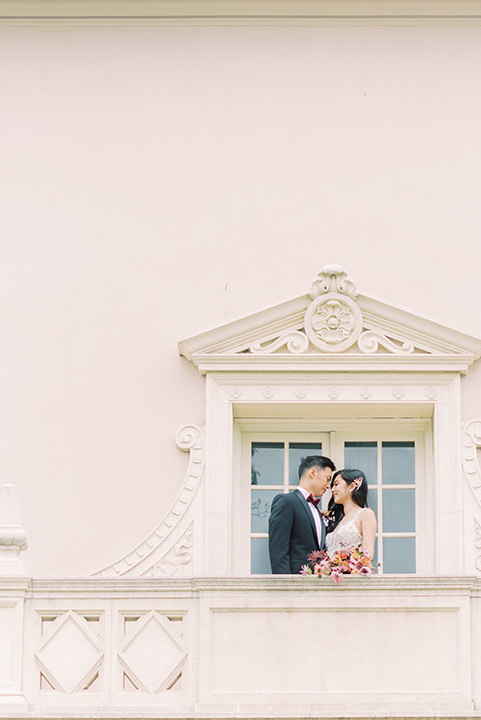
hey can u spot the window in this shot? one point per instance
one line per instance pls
(391, 454)
(274, 467)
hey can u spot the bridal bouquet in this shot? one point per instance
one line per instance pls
(344, 562)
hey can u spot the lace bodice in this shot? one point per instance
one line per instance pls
(344, 537)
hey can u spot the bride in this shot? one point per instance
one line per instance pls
(351, 522)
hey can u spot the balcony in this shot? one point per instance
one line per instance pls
(240, 647)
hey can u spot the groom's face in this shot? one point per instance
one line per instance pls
(321, 479)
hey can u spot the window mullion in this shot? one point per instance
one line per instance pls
(379, 507)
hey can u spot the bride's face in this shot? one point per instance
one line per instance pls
(340, 490)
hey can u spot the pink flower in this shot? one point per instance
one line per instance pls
(306, 570)
(336, 576)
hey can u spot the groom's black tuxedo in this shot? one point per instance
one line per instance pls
(292, 533)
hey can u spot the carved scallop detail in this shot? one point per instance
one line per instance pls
(268, 392)
(333, 393)
(301, 393)
(365, 393)
(477, 544)
(398, 392)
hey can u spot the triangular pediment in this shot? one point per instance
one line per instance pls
(333, 327)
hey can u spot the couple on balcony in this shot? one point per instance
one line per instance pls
(297, 528)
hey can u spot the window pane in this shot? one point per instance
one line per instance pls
(260, 564)
(372, 500)
(399, 555)
(398, 511)
(375, 558)
(260, 508)
(298, 451)
(267, 463)
(362, 456)
(398, 463)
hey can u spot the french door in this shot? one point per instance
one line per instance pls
(393, 460)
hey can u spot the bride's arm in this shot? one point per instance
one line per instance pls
(368, 530)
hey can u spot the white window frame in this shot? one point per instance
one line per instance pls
(265, 398)
(243, 489)
(333, 433)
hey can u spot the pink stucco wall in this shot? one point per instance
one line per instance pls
(155, 182)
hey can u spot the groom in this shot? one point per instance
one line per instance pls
(295, 523)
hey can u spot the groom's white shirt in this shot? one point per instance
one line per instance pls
(315, 514)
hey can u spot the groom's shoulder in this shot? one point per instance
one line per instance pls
(286, 498)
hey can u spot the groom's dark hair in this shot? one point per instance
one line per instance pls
(318, 461)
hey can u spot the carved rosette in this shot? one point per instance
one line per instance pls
(333, 322)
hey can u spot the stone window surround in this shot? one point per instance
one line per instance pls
(231, 396)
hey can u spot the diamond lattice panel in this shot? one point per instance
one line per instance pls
(153, 653)
(69, 654)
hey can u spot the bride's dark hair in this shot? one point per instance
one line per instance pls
(359, 496)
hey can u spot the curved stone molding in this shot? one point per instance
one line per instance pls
(177, 560)
(333, 322)
(471, 443)
(472, 472)
(295, 341)
(189, 438)
(370, 340)
(333, 279)
(477, 544)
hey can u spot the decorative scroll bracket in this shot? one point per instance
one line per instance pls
(166, 547)
(472, 472)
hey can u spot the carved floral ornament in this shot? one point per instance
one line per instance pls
(333, 322)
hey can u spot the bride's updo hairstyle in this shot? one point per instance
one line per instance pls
(359, 495)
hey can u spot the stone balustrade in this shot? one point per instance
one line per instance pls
(243, 647)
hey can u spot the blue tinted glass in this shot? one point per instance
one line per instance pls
(398, 511)
(372, 500)
(260, 508)
(399, 555)
(267, 463)
(375, 558)
(398, 463)
(260, 564)
(298, 451)
(362, 456)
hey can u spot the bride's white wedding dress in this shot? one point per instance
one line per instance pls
(344, 537)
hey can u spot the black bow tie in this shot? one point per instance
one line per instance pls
(313, 500)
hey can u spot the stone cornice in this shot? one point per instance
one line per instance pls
(243, 12)
(188, 587)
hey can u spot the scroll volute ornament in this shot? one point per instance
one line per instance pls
(333, 320)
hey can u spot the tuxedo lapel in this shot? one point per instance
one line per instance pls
(307, 509)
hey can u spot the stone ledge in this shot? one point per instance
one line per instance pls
(352, 12)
